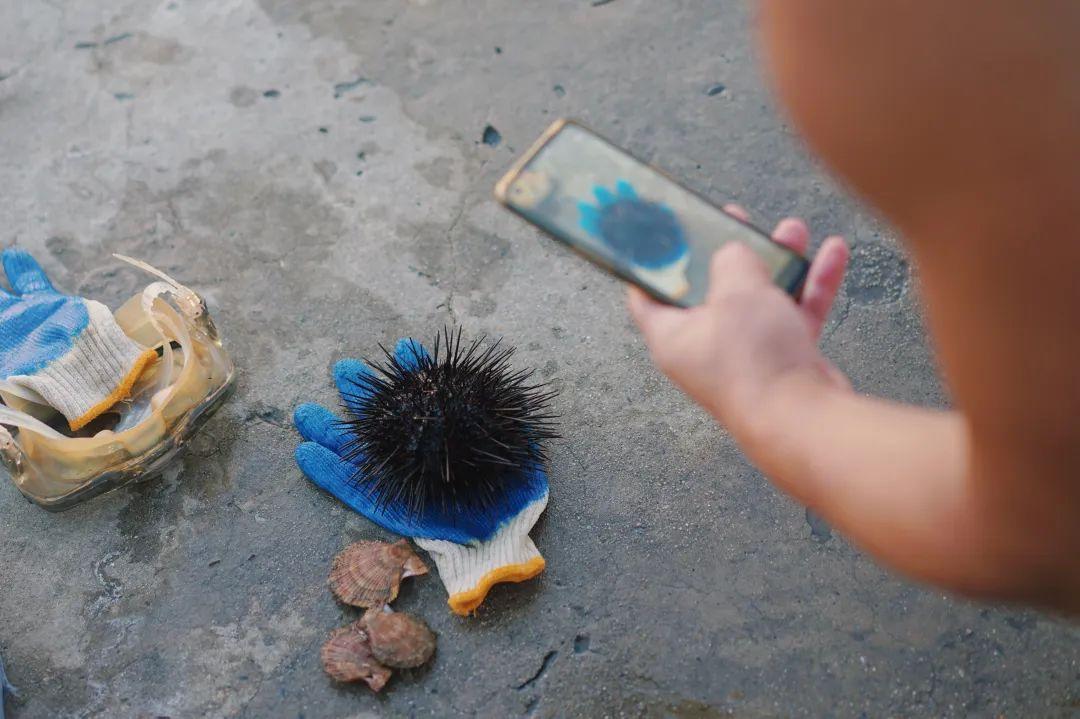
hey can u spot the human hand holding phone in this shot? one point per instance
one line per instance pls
(894, 479)
(733, 352)
(733, 318)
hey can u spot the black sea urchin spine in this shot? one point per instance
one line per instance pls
(455, 430)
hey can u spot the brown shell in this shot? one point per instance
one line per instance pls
(368, 574)
(397, 639)
(346, 657)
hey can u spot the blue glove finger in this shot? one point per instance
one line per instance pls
(349, 374)
(318, 424)
(334, 475)
(24, 273)
(408, 352)
(325, 468)
(349, 377)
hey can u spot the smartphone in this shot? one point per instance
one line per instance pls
(630, 218)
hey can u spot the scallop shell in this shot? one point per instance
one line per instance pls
(368, 574)
(397, 639)
(347, 657)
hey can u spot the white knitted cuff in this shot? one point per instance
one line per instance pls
(468, 571)
(95, 374)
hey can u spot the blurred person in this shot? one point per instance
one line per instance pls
(959, 122)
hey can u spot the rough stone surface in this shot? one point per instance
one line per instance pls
(322, 172)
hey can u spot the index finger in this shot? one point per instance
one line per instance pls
(793, 234)
(24, 273)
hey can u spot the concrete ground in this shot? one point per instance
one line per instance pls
(317, 170)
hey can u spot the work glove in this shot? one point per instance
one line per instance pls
(68, 350)
(472, 550)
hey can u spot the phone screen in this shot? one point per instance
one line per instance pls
(630, 218)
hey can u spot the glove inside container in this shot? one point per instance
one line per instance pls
(136, 438)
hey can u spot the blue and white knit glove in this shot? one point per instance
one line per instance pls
(68, 350)
(473, 552)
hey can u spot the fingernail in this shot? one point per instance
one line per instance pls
(790, 228)
(737, 211)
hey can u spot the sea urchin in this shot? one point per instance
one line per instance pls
(453, 431)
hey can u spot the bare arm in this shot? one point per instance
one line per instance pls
(899, 481)
(959, 121)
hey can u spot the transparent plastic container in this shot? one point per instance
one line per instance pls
(57, 468)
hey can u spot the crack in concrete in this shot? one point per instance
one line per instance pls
(549, 658)
(111, 588)
(255, 693)
(465, 206)
(841, 317)
(453, 257)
